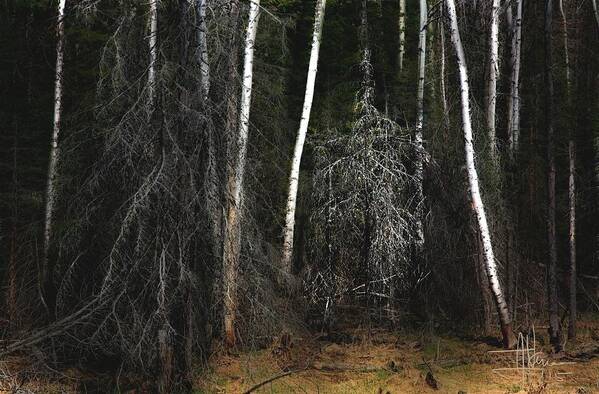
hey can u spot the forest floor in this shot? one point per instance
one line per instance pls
(364, 360)
(361, 360)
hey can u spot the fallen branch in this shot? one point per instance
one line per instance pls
(272, 379)
(322, 368)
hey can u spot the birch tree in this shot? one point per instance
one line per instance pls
(554, 323)
(493, 72)
(442, 74)
(202, 50)
(236, 170)
(513, 115)
(509, 339)
(52, 179)
(420, 121)
(402, 34)
(153, 49)
(301, 137)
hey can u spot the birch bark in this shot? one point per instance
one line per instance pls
(202, 50)
(509, 338)
(152, 43)
(402, 33)
(232, 242)
(52, 179)
(420, 123)
(301, 137)
(514, 97)
(442, 76)
(493, 71)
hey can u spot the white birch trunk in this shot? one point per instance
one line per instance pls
(152, 44)
(420, 122)
(54, 148)
(202, 50)
(402, 33)
(477, 203)
(232, 242)
(514, 97)
(493, 72)
(442, 76)
(287, 252)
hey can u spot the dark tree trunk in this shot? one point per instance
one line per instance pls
(554, 323)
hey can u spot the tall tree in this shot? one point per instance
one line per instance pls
(513, 114)
(442, 74)
(420, 122)
(493, 72)
(509, 339)
(554, 324)
(301, 137)
(202, 50)
(236, 171)
(572, 235)
(153, 50)
(402, 34)
(571, 181)
(52, 179)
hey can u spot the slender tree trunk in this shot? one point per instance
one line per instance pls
(442, 76)
(572, 237)
(11, 285)
(402, 34)
(571, 183)
(232, 242)
(213, 192)
(483, 281)
(566, 55)
(202, 50)
(493, 72)
(430, 28)
(301, 137)
(153, 49)
(513, 117)
(52, 180)
(509, 338)
(554, 324)
(596, 13)
(231, 128)
(418, 140)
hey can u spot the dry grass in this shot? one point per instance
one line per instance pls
(383, 362)
(363, 361)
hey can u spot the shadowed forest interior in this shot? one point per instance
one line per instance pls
(287, 196)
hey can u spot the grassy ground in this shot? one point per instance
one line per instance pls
(380, 361)
(360, 360)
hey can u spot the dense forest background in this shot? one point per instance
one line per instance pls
(142, 252)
